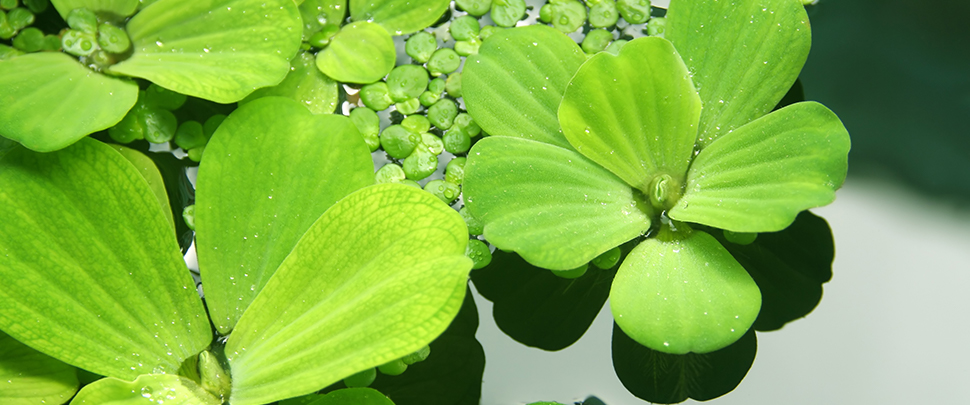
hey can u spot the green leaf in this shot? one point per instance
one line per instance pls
(355, 396)
(360, 52)
(665, 378)
(641, 126)
(93, 276)
(760, 176)
(789, 267)
(538, 308)
(317, 14)
(169, 389)
(120, 8)
(744, 55)
(514, 85)
(146, 167)
(219, 50)
(399, 17)
(50, 101)
(31, 377)
(682, 292)
(553, 206)
(345, 299)
(306, 84)
(271, 169)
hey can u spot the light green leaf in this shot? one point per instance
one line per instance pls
(29, 377)
(638, 127)
(355, 396)
(317, 14)
(399, 17)
(168, 389)
(514, 85)
(120, 8)
(306, 84)
(50, 101)
(360, 52)
(93, 276)
(744, 55)
(270, 170)
(553, 206)
(378, 276)
(759, 177)
(219, 50)
(683, 292)
(146, 167)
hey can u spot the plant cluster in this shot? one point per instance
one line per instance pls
(610, 150)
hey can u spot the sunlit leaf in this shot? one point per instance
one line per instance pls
(682, 292)
(664, 378)
(399, 17)
(319, 13)
(378, 276)
(306, 84)
(760, 176)
(360, 52)
(29, 377)
(634, 114)
(219, 50)
(553, 206)
(270, 170)
(355, 396)
(93, 276)
(50, 101)
(152, 176)
(789, 267)
(168, 389)
(538, 308)
(744, 56)
(514, 85)
(120, 8)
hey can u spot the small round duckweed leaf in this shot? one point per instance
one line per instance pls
(664, 378)
(32, 377)
(271, 169)
(760, 176)
(137, 313)
(399, 17)
(682, 292)
(638, 127)
(317, 14)
(567, 15)
(169, 389)
(361, 52)
(343, 300)
(50, 101)
(120, 8)
(744, 56)
(553, 206)
(514, 85)
(306, 84)
(219, 50)
(506, 13)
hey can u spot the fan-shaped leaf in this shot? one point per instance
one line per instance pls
(378, 276)
(270, 170)
(50, 101)
(760, 176)
(30, 377)
(514, 85)
(219, 50)
(92, 276)
(553, 206)
(169, 389)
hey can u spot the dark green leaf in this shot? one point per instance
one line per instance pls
(538, 308)
(671, 378)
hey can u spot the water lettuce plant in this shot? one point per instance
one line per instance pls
(341, 265)
(646, 145)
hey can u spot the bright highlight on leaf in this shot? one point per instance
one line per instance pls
(281, 167)
(169, 389)
(324, 315)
